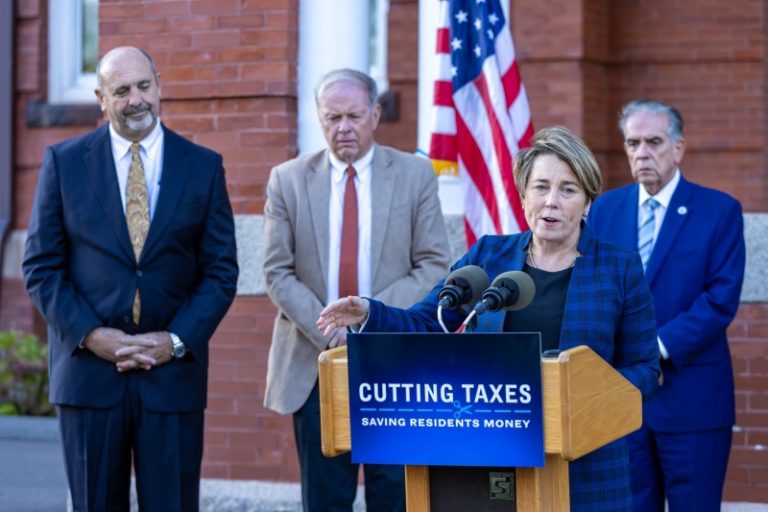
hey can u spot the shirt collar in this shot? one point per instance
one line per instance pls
(663, 196)
(362, 166)
(121, 146)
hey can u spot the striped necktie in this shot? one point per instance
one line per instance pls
(137, 213)
(647, 230)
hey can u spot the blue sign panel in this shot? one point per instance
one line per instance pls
(446, 399)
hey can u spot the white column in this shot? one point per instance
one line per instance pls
(379, 68)
(451, 195)
(332, 34)
(429, 13)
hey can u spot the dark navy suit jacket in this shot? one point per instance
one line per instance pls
(608, 308)
(81, 272)
(695, 273)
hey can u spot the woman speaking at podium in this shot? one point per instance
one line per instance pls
(588, 292)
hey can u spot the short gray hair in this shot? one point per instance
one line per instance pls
(674, 126)
(348, 75)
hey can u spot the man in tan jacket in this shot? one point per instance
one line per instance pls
(354, 219)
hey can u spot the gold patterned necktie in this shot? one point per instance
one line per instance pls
(137, 213)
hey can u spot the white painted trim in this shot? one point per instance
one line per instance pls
(429, 15)
(66, 82)
(379, 70)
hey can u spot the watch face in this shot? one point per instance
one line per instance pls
(179, 351)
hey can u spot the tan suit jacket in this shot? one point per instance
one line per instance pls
(409, 255)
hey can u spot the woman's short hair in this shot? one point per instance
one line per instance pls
(565, 145)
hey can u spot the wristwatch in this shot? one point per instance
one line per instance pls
(179, 349)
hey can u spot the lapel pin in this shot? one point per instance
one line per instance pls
(682, 210)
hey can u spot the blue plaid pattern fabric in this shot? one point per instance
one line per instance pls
(646, 231)
(609, 308)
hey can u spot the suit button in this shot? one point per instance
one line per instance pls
(139, 273)
(126, 319)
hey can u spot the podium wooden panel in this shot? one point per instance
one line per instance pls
(587, 404)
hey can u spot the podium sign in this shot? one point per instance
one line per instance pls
(446, 399)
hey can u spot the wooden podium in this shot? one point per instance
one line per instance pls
(587, 404)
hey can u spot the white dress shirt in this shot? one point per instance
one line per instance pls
(663, 196)
(151, 156)
(363, 168)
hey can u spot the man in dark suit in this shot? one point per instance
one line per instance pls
(131, 259)
(691, 242)
(400, 248)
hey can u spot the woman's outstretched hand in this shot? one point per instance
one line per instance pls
(343, 312)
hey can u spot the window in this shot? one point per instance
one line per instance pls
(377, 56)
(73, 47)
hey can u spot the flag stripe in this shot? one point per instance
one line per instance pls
(512, 84)
(446, 116)
(475, 207)
(478, 172)
(471, 109)
(499, 139)
(443, 147)
(443, 93)
(444, 40)
(471, 236)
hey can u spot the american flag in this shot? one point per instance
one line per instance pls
(480, 114)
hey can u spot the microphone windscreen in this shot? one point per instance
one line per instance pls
(525, 286)
(470, 278)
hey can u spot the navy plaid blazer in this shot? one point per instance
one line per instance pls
(608, 308)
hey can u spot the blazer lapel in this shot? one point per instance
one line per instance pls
(176, 170)
(382, 195)
(317, 181)
(678, 212)
(100, 166)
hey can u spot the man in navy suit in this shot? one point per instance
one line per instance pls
(129, 318)
(691, 242)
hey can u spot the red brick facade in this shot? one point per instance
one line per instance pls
(229, 82)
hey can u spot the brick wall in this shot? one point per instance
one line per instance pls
(15, 314)
(243, 440)
(747, 478)
(402, 66)
(229, 82)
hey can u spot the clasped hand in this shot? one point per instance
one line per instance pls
(130, 352)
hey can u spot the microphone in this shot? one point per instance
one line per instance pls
(511, 291)
(463, 286)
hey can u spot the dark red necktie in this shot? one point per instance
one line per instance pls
(348, 259)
